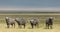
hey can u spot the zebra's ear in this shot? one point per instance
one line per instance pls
(51, 17)
(7, 17)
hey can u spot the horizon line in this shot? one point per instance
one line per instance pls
(29, 9)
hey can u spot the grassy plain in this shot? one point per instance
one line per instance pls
(42, 17)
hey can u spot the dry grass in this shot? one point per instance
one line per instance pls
(56, 28)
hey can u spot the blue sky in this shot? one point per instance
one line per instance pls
(30, 3)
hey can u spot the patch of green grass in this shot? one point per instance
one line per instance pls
(41, 28)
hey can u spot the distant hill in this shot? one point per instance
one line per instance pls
(17, 12)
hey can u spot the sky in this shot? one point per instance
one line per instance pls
(30, 5)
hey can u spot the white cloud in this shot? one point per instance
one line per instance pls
(32, 9)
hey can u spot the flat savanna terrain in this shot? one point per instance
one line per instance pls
(41, 28)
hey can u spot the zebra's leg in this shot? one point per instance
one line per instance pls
(14, 25)
(24, 25)
(51, 26)
(20, 26)
(7, 26)
(32, 25)
(48, 26)
(35, 25)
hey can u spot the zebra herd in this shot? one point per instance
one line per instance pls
(23, 21)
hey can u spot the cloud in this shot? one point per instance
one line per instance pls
(31, 9)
